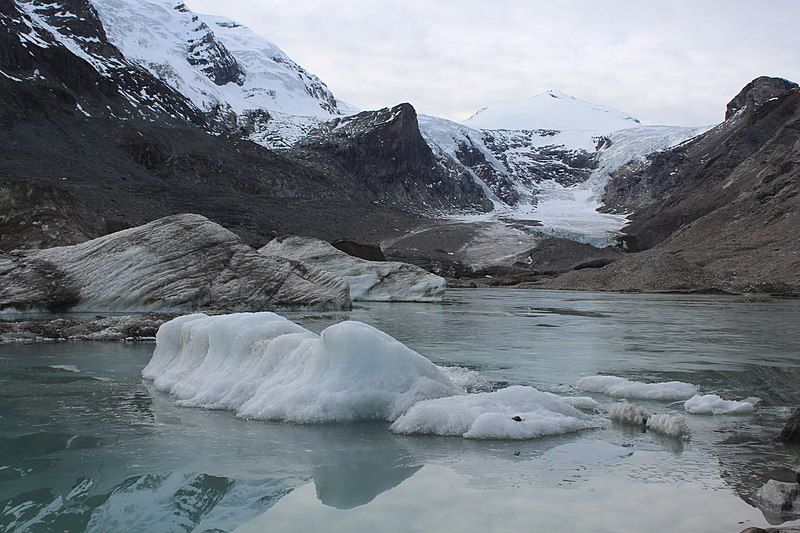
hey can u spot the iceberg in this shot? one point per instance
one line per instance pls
(263, 366)
(516, 412)
(623, 388)
(711, 404)
(378, 281)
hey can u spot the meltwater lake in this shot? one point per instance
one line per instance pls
(87, 444)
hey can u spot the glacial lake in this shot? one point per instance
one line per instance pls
(87, 444)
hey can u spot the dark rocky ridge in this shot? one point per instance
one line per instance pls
(382, 154)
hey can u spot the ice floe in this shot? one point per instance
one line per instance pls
(711, 404)
(516, 412)
(619, 387)
(469, 380)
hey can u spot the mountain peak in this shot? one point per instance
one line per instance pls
(556, 111)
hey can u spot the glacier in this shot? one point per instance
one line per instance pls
(377, 281)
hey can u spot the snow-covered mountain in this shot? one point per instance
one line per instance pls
(548, 158)
(556, 118)
(224, 68)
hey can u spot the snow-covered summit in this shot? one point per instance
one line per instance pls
(223, 67)
(561, 118)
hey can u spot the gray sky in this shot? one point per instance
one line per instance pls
(665, 62)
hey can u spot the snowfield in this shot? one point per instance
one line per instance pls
(562, 119)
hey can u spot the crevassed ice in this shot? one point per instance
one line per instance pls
(517, 412)
(263, 366)
(623, 388)
(711, 404)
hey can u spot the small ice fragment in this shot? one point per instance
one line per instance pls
(711, 404)
(667, 424)
(629, 413)
(66, 368)
(623, 388)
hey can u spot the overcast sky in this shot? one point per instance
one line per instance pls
(665, 62)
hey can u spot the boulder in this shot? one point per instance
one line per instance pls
(779, 499)
(791, 431)
(385, 281)
(174, 264)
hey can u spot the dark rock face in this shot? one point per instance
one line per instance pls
(33, 216)
(383, 155)
(758, 92)
(532, 164)
(370, 252)
(214, 59)
(791, 432)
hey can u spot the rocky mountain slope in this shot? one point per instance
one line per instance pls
(243, 81)
(720, 212)
(78, 115)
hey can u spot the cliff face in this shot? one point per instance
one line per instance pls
(383, 154)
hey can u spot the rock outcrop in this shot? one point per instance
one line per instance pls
(177, 263)
(385, 281)
(791, 431)
(779, 499)
(42, 216)
(384, 156)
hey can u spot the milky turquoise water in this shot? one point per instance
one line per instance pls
(98, 449)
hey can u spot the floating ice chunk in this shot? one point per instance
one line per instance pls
(667, 424)
(467, 379)
(624, 388)
(711, 404)
(66, 368)
(629, 413)
(513, 413)
(582, 402)
(263, 366)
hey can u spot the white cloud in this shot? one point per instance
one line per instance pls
(673, 62)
